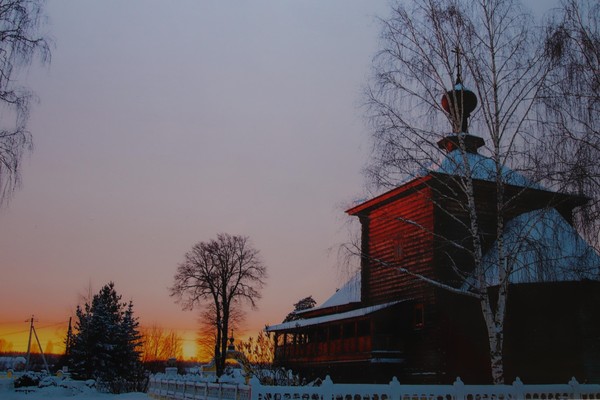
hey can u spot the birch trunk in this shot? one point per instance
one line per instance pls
(495, 330)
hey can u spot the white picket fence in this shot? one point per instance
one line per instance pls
(180, 389)
(162, 388)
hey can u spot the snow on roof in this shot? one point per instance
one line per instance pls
(349, 293)
(543, 247)
(331, 318)
(453, 164)
(483, 168)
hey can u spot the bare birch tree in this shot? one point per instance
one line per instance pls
(219, 274)
(20, 43)
(570, 108)
(427, 49)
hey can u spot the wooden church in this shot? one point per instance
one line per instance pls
(392, 320)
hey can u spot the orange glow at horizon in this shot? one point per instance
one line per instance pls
(14, 339)
(190, 348)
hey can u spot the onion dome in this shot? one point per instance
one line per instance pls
(459, 103)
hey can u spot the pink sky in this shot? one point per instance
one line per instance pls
(161, 124)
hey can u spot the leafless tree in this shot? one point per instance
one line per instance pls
(20, 42)
(160, 345)
(206, 336)
(259, 351)
(220, 273)
(570, 106)
(493, 47)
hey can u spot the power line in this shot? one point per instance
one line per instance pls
(15, 333)
(11, 322)
(51, 326)
(38, 328)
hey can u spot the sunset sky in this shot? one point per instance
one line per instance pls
(161, 124)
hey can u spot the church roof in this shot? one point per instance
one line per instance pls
(544, 247)
(482, 168)
(301, 323)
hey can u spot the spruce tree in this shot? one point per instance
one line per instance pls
(303, 304)
(105, 346)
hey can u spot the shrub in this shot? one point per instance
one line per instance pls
(27, 380)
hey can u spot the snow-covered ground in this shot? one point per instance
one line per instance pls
(75, 390)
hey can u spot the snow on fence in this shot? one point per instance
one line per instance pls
(162, 388)
(176, 388)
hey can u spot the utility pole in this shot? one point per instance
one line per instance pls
(29, 344)
(32, 331)
(68, 343)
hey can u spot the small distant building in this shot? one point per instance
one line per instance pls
(386, 323)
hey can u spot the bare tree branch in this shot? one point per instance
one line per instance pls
(220, 275)
(20, 43)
